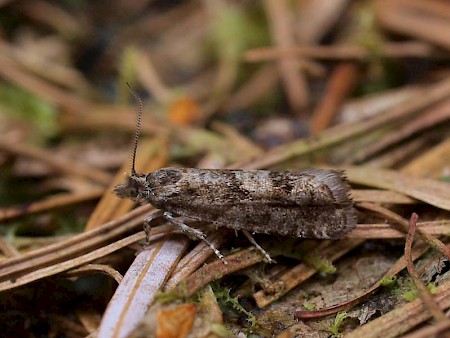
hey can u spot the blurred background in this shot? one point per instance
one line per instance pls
(272, 71)
(223, 82)
(263, 68)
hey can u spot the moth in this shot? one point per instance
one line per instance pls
(309, 203)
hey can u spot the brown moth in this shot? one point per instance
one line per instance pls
(309, 203)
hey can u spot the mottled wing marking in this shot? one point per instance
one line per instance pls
(310, 203)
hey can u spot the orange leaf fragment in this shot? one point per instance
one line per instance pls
(184, 111)
(175, 322)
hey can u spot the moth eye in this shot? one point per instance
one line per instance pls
(133, 192)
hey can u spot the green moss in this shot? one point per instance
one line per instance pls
(409, 291)
(388, 281)
(167, 297)
(33, 110)
(224, 298)
(432, 287)
(409, 295)
(338, 320)
(309, 306)
(127, 73)
(228, 23)
(320, 264)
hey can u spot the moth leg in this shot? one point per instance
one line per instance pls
(257, 246)
(193, 233)
(148, 220)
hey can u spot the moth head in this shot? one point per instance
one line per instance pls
(134, 188)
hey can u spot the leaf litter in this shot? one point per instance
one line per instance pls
(360, 86)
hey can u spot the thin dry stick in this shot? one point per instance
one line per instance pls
(317, 19)
(226, 70)
(195, 258)
(380, 196)
(258, 86)
(113, 118)
(423, 291)
(336, 135)
(63, 165)
(424, 20)
(434, 116)
(430, 191)
(151, 80)
(399, 154)
(300, 273)
(372, 231)
(7, 249)
(431, 162)
(90, 268)
(75, 245)
(403, 318)
(62, 74)
(340, 84)
(11, 71)
(392, 216)
(283, 35)
(396, 268)
(430, 331)
(217, 269)
(50, 203)
(70, 263)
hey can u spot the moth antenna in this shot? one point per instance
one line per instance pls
(138, 127)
